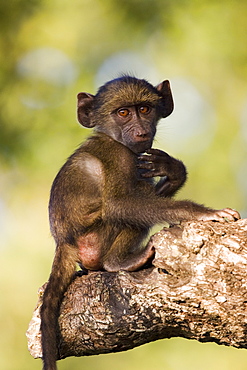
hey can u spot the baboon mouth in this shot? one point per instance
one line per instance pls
(142, 139)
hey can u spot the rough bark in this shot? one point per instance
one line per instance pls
(197, 289)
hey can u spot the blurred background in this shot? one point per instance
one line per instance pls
(49, 51)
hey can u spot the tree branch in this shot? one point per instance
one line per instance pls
(197, 289)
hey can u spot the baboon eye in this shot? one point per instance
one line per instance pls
(144, 109)
(123, 112)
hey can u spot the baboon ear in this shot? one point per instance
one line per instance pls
(84, 107)
(165, 90)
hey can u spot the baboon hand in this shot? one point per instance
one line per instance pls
(222, 215)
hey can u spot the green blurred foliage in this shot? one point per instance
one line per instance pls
(202, 43)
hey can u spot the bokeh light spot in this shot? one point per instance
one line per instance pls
(44, 72)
